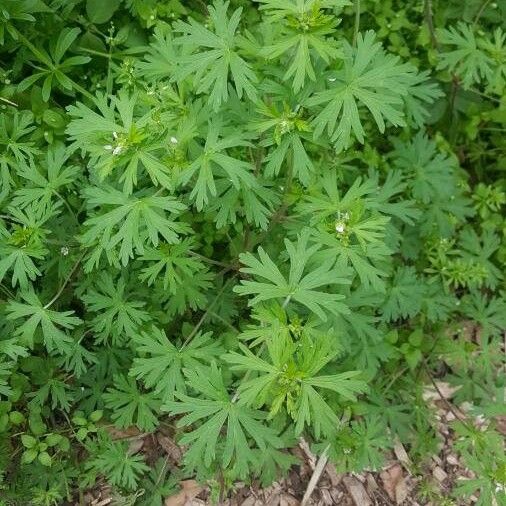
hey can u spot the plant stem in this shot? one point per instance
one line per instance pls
(484, 5)
(209, 260)
(62, 287)
(357, 22)
(207, 313)
(430, 23)
(67, 205)
(222, 320)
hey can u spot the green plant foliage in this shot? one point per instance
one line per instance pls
(243, 222)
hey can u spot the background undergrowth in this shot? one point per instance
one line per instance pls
(244, 222)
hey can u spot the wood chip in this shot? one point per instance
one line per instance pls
(335, 478)
(439, 474)
(311, 458)
(337, 495)
(357, 491)
(401, 454)
(437, 460)
(452, 460)
(288, 500)
(372, 486)
(326, 497)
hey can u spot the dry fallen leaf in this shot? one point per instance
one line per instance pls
(129, 432)
(189, 490)
(357, 491)
(401, 491)
(395, 483)
(135, 446)
(172, 450)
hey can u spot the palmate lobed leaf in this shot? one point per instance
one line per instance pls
(292, 380)
(112, 459)
(162, 368)
(306, 33)
(298, 287)
(218, 412)
(129, 406)
(369, 78)
(51, 323)
(132, 221)
(220, 58)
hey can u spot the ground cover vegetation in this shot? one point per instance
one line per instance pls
(244, 222)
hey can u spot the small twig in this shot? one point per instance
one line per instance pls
(7, 101)
(67, 205)
(394, 379)
(209, 260)
(315, 477)
(204, 7)
(457, 415)
(222, 320)
(163, 471)
(62, 287)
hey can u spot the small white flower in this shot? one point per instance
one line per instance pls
(332, 79)
(340, 227)
(64, 251)
(173, 140)
(117, 150)
(115, 135)
(108, 147)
